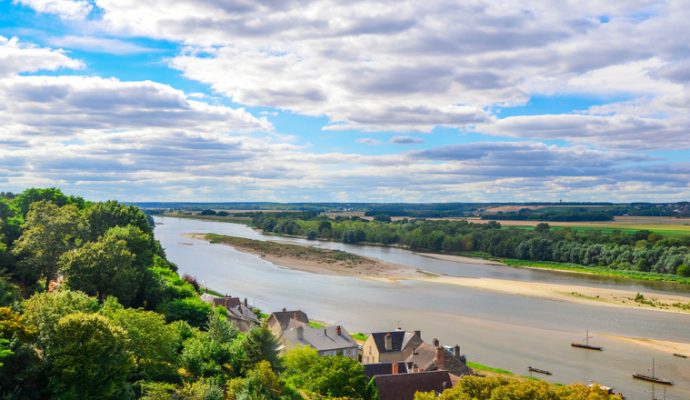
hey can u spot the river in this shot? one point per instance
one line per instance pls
(501, 330)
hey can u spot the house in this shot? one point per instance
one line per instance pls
(409, 348)
(404, 386)
(279, 321)
(433, 357)
(391, 346)
(292, 330)
(239, 313)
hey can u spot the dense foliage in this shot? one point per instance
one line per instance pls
(639, 251)
(90, 308)
(474, 388)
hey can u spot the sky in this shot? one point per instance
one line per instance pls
(347, 100)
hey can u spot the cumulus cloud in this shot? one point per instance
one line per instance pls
(17, 57)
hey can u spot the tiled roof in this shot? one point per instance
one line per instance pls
(284, 317)
(371, 370)
(404, 386)
(399, 340)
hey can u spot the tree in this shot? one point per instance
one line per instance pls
(261, 383)
(48, 233)
(44, 310)
(109, 214)
(337, 376)
(53, 195)
(260, 345)
(152, 343)
(219, 329)
(297, 363)
(205, 358)
(89, 359)
(102, 268)
(4, 350)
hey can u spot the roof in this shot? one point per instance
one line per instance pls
(228, 302)
(242, 312)
(404, 386)
(322, 339)
(400, 340)
(284, 317)
(425, 356)
(371, 370)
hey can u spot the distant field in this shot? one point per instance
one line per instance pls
(661, 225)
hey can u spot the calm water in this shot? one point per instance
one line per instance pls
(501, 330)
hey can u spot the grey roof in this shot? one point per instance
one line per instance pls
(425, 357)
(386, 368)
(400, 340)
(322, 339)
(284, 317)
(404, 386)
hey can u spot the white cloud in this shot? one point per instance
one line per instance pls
(17, 57)
(98, 45)
(68, 9)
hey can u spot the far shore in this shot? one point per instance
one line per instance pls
(369, 268)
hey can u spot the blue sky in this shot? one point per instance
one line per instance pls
(346, 101)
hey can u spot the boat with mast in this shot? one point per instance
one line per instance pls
(586, 344)
(653, 378)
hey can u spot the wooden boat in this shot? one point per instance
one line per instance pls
(539, 371)
(652, 378)
(680, 355)
(586, 344)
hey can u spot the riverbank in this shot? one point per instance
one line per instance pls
(326, 261)
(480, 258)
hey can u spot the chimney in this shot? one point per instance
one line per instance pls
(418, 334)
(284, 309)
(324, 332)
(457, 351)
(388, 342)
(394, 368)
(338, 330)
(300, 332)
(415, 367)
(435, 342)
(440, 358)
(246, 303)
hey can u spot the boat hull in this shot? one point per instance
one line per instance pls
(652, 379)
(586, 346)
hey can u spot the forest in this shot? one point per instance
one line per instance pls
(642, 251)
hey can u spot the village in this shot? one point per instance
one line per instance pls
(399, 362)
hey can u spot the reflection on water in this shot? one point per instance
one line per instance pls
(498, 329)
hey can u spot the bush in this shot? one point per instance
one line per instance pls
(193, 310)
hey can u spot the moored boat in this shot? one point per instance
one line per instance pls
(586, 344)
(539, 371)
(680, 355)
(652, 378)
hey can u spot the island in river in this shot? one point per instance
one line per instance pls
(338, 262)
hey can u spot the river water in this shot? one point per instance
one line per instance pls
(501, 330)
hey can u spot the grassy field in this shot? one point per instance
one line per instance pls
(646, 276)
(485, 368)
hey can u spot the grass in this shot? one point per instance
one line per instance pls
(288, 250)
(359, 336)
(316, 324)
(603, 271)
(485, 368)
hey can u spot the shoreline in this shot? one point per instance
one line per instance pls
(485, 260)
(369, 268)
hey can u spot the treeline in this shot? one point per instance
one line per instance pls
(639, 251)
(560, 214)
(90, 308)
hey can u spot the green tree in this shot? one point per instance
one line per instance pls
(48, 233)
(44, 310)
(297, 363)
(89, 359)
(219, 329)
(152, 343)
(261, 383)
(102, 268)
(25, 199)
(337, 376)
(206, 358)
(4, 350)
(109, 214)
(260, 345)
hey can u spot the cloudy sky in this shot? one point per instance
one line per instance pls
(357, 100)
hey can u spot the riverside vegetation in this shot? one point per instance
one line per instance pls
(641, 254)
(90, 308)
